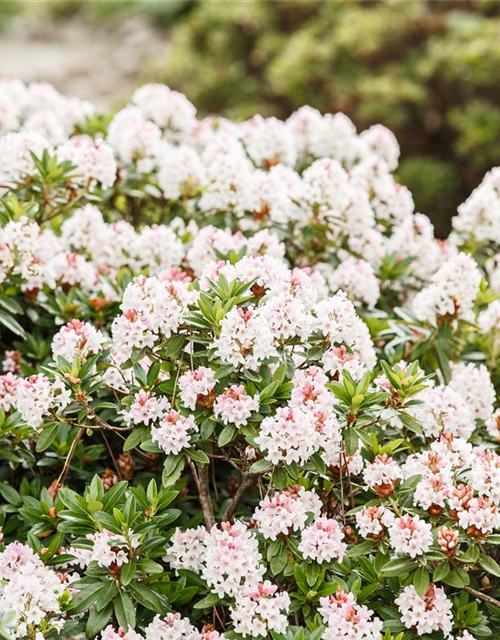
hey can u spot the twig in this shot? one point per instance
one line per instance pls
(112, 456)
(69, 457)
(246, 482)
(351, 493)
(200, 475)
(342, 506)
(177, 377)
(482, 596)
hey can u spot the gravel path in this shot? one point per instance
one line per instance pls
(100, 63)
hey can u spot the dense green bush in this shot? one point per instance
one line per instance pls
(428, 70)
(272, 413)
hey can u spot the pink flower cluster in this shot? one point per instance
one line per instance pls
(286, 512)
(234, 406)
(322, 541)
(30, 590)
(77, 338)
(194, 384)
(426, 614)
(228, 557)
(347, 619)
(410, 535)
(260, 610)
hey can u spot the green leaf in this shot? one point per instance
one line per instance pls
(360, 549)
(11, 324)
(198, 456)
(171, 473)
(106, 594)
(125, 611)
(85, 598)
(441, 571)
(351, 440)
(10, 494)
(146, 596)
(444, 363)
(421, 581)
(456, 578)
(47, 437)
(97, 620)
(300, 578)
(174, 345)
(208, 602)
(128, 572)
(149, 567)
(471, 556)
(140, 375)
(261, 466)
(268, 392)
(227, 435)
(489, 565)
(114, 495)
(410, 422)
(134, 438)
(9, 303)
(95, 505)
(397, 567)
(279, 561)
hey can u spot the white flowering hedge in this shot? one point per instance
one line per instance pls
(246, 393)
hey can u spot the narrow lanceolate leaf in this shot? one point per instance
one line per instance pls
(47, 436)
(128, 572)
(351, 440)
(12, 325)
(125, 611)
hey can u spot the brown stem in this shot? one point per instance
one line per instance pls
(351, 493)
(247, 481)
(200, 475)
(482, 596)
(112, 456)
(69, 457)
(342, 506)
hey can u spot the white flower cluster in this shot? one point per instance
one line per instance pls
(478, 217)
(35, 396)
(311, 169)
(347, 619)
(77, 338)
(322, 541)
(286, 512)
(228, 559)
(29, 589)
(170, 627)
(451, 293)
(426, 614)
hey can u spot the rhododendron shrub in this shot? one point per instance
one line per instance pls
(245, 392)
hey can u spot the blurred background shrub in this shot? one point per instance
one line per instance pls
(428, 70)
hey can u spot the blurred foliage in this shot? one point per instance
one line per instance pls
(160, 12)
(427, 70)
